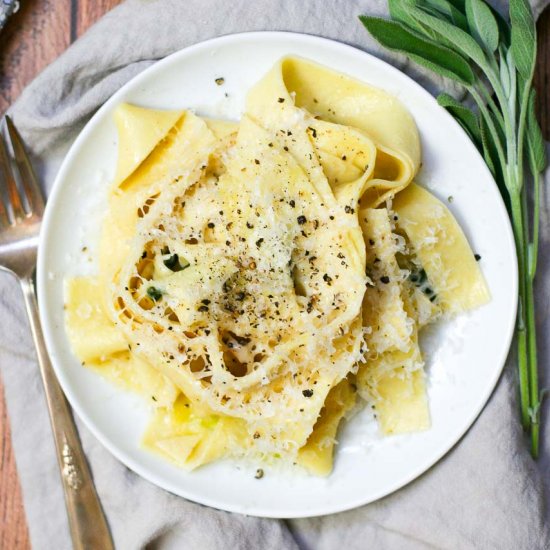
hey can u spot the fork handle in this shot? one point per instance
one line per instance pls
(89, 529)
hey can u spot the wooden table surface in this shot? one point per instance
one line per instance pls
(33, 38)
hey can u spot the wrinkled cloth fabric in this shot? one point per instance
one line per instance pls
(487, 493)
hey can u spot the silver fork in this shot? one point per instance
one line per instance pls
(21, 213)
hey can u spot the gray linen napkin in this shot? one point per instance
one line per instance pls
(486, 493)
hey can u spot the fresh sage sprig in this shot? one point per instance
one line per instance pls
(470, 43)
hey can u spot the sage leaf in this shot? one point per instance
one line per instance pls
(435, 12)
(535, 141)
(458, 4)
(513, 80)
(523, 38)
(488, 150)
(491, 156)
(466, 117)
(462, 42)
(482, 24)
(505, 73)
(395, 36)
(503, 26)
(430, 33)
(453, 14)
(399, 12)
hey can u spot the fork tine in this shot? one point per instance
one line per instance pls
(11, 186)
(28, 178)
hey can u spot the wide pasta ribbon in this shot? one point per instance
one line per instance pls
(250, 280)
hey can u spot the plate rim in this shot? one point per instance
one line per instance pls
(41, 278)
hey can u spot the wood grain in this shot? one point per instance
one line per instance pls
(34, 37)
(13, 526)
(89, 11)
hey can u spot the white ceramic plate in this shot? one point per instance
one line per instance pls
(465, 356)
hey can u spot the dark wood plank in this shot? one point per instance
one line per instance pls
(32, 39)
(542, 75)
(13, 526)
(89, 11)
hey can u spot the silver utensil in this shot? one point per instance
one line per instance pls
(21, 210)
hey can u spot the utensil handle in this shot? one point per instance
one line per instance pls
(89, 529)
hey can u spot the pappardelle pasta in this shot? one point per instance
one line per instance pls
(258, 281)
